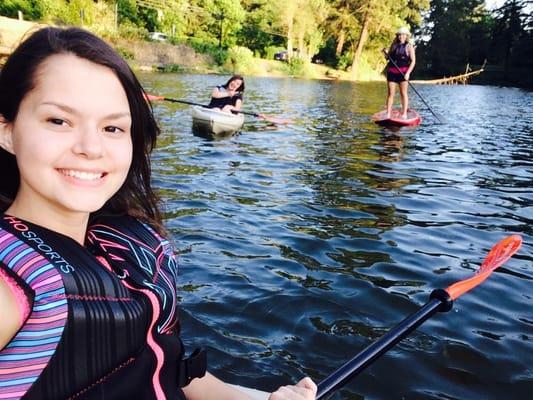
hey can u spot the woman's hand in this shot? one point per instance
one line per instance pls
(303, 390)
(407, 76)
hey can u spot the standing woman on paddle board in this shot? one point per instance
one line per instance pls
(401, 53)
(88, 298)
(228, 97)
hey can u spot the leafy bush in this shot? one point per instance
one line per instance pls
(174, 68)
(240, 60)
(30, 9)
(344, 61)
(271, 50)
(128, 30)
(297, 67)
(219, 55)
(125, 53)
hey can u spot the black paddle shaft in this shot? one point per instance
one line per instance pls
(411, 85)
(439, 301)
(203, 105)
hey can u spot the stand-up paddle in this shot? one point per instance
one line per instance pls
(440, 300)
(412, 87)
(274, 120)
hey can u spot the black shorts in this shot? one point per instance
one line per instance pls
(392, 77)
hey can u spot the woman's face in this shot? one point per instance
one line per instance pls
(402, 37)
(234, 85)
(71, 137)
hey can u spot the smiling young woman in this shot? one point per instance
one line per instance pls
(228, 97)
(73, 152)
(88, 281)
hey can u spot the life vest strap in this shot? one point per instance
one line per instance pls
(194, 366)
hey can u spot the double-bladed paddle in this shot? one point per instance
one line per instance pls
(274, 120)
(440, 300)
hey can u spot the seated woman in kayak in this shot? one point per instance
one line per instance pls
(228, 97)
(401, 62)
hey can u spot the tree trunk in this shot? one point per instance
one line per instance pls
(360, 44)
(340, 43)
(301, 46)
(289, 39)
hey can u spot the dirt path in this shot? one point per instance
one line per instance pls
(12, 31)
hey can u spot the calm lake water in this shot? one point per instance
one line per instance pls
(301, 244)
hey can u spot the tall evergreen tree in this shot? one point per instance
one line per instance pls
(509, 30)
(452, 24)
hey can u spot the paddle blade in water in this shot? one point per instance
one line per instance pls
(275, 120)
(498, 255)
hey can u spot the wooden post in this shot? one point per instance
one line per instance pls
(221, 30)
(116, 16)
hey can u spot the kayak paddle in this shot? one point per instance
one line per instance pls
(274, 120)
(412, 87)
(439, 300)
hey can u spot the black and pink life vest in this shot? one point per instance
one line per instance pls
(102, 318)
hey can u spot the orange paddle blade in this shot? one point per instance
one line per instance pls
(151, 97)
(498, 255)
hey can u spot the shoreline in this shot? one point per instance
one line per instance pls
(148, 56)
(145, 56)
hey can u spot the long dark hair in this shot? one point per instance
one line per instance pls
(234, 78)
(18, 77)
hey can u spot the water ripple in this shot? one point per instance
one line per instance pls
(301, 244)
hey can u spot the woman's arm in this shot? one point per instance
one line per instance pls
(412, 56)
(218, 94)
(212, 388)
(238, 104)
(236, 107)
(9, 310)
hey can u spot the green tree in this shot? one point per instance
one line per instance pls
(258, 33)
(455, 28)
(173, 21)
(380, 19)
(129, 11)
(301, 21)
(31, 9)
(283, 13)
(342, 23)
(220, 20)
(98, 16)
(509, 31)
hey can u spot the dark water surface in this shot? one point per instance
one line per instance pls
(302, 244)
